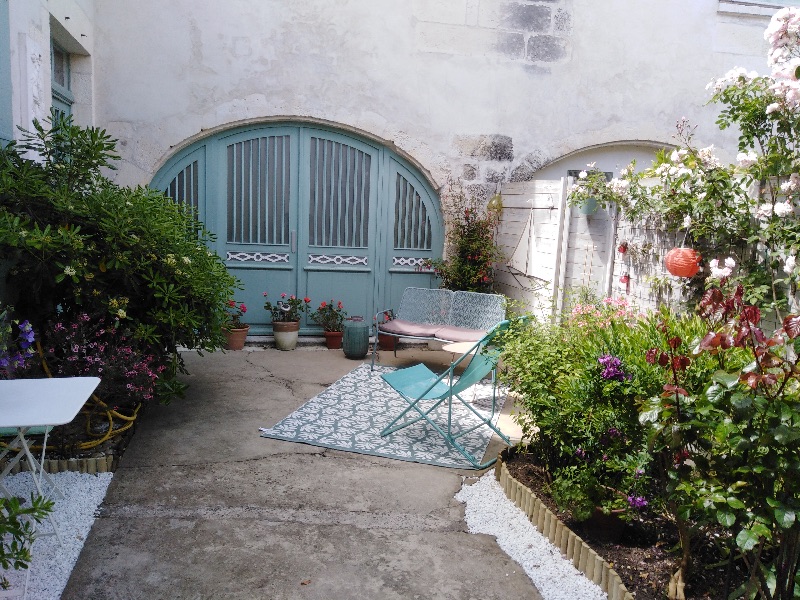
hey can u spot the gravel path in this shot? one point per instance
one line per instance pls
(52, 562)
(489, 511)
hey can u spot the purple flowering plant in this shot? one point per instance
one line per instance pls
(16, 344)
(612, 368)
(95, 345)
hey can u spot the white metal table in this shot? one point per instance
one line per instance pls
(27, 403)
(459, 347)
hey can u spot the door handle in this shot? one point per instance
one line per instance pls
(293, 240)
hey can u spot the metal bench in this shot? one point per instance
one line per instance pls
(441, 315)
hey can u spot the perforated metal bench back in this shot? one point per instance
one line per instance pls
(477, 311)
(422, 305)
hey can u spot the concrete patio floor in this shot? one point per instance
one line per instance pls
(203, 507)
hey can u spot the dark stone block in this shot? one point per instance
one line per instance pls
(536, 159)
(498, 147)
(469, 172)
(525, 17)
(481, 191)
(495, 176)
(511, 45)
(486, 147)
(546, 48)
(562, 21)
(523, 173)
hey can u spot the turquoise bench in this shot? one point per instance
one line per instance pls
(441, 315)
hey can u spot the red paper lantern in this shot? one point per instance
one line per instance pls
(682, 262)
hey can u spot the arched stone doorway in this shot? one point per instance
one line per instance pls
(312, 211)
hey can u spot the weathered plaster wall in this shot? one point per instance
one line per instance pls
(32, 23)
(486, 90)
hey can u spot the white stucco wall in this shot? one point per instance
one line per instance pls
(453, 83)
(32, 23)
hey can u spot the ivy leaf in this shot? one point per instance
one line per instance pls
(791, 324)
(729, 380)
(785, 517)
(725, 518)
(650, 415)
(741, 401)
(751, 314)
(785, 435)
(735, 503)
(747, 540)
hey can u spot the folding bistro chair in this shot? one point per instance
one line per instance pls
(419, 383)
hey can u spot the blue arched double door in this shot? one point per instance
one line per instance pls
(310, 211)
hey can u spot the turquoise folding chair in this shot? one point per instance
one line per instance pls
(419, 383)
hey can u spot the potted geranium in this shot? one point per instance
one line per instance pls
(330, 315)
(286, 314)
(235, 331)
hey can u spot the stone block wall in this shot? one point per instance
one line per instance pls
(532, 32)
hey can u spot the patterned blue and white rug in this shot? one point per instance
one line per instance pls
(351, 414)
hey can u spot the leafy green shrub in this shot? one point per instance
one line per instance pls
(17, 531)
(696, 416)
(76, 242)
(730, 443)
(580, 384)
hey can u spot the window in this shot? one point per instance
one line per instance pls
(60, 79)
(6, 118)
(765, 8)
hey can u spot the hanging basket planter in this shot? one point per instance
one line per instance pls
(682, 262)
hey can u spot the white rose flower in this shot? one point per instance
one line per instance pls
(747, 159)
(582, 175)
(783, 209)
(789, 264)
(764, 211)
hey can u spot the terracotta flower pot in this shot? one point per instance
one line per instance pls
(386, 342)
(235, 338)
(286, 333)
(333, 339)
(682, 262)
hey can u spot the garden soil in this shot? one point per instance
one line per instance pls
(646, 554)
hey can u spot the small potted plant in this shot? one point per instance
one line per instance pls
(330, 316)
(385, 341)
(286, 314)
(235, 331)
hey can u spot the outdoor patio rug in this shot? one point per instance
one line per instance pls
(351, 413)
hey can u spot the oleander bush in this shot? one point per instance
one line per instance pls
(76, 243)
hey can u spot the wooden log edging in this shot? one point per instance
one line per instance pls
(572, 547)
(100, 464)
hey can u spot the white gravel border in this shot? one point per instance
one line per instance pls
(489, 511)
(53, 562)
